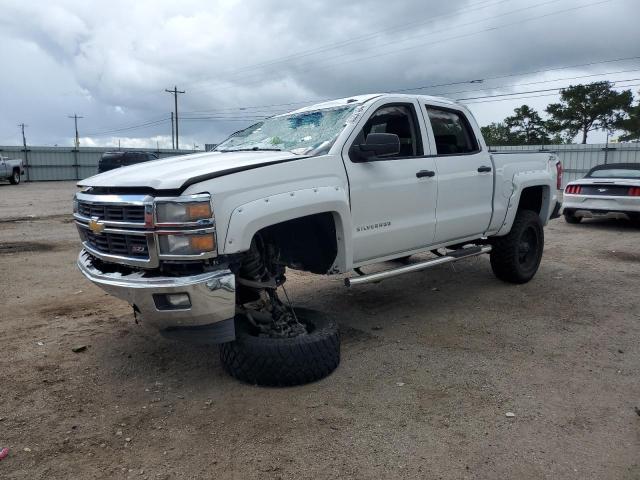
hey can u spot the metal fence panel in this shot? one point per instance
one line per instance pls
(66, 163)
(577, 160)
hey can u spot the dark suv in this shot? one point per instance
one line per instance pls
(111, 160)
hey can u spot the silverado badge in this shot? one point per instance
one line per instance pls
(95, 225)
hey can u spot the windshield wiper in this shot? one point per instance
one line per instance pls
(253, 149)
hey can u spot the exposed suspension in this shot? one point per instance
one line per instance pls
(260, 275)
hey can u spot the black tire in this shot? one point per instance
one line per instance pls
(14, 179)
(570, 217)
(283, 362)
(515, 258)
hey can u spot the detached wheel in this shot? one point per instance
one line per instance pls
(14, 179)
(515, 258)
(570, 217)
(283, 361)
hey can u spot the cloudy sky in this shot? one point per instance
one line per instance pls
(111, 61)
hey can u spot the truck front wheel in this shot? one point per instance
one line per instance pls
(14, 179)
(262, 360)
(515, 257)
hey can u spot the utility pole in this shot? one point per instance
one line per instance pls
(175, 93)
(24, 140)
(173, 136)
(76, 165)
(24, 145)
(75, 120)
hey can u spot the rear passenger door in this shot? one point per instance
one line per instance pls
(465, 174)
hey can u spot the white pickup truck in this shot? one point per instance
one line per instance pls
(198, 245)
(11, 169)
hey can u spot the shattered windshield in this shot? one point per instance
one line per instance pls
(310, 132)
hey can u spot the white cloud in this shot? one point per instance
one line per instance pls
(111, 61)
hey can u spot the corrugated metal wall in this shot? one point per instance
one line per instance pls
(577, 160)
(65, 163)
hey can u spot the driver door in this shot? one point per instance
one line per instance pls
(393, 199)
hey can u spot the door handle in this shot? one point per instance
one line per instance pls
(484, 169)
(425, 173)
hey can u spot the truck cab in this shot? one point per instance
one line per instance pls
(11, 170)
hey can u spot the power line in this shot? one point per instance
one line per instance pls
(319, 63)
(470, 100)
(129, 127)
(391, 42)
(111, 129)
(175, 93)
(536, 96)
(498, 87)
(531, 91)
(531, 72)
(358, 39)
(469, 34)
(266, 107)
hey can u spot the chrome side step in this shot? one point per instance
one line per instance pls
(416, 267)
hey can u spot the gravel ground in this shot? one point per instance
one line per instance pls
(431, 364)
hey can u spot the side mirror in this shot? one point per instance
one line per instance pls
(377, 145)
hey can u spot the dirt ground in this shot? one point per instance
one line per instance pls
(431, 363)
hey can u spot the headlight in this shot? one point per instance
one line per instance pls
(75, 204)
(191, 209)
(187, 244)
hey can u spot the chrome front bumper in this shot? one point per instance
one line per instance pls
(212, 295)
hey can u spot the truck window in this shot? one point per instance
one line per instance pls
(452, 132)
(399, 119)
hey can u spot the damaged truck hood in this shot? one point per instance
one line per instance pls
(181, 171)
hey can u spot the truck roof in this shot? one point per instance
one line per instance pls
(360, 99)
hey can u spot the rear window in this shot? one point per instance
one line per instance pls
(112, 155)
(452, 132)
(615, 173)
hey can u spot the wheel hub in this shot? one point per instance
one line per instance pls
(527, 247)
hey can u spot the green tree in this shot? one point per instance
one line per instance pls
(583, 108)
(631, 124)
(527, 126)
(497, 134)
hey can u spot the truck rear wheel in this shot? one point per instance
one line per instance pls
(14, 179)
(283, 361)
(515, 257)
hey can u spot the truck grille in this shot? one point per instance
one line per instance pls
(117, 243)
(119, 213)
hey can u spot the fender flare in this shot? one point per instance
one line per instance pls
(247, 219)
(521, 181)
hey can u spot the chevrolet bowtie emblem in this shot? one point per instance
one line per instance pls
(95, 225)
